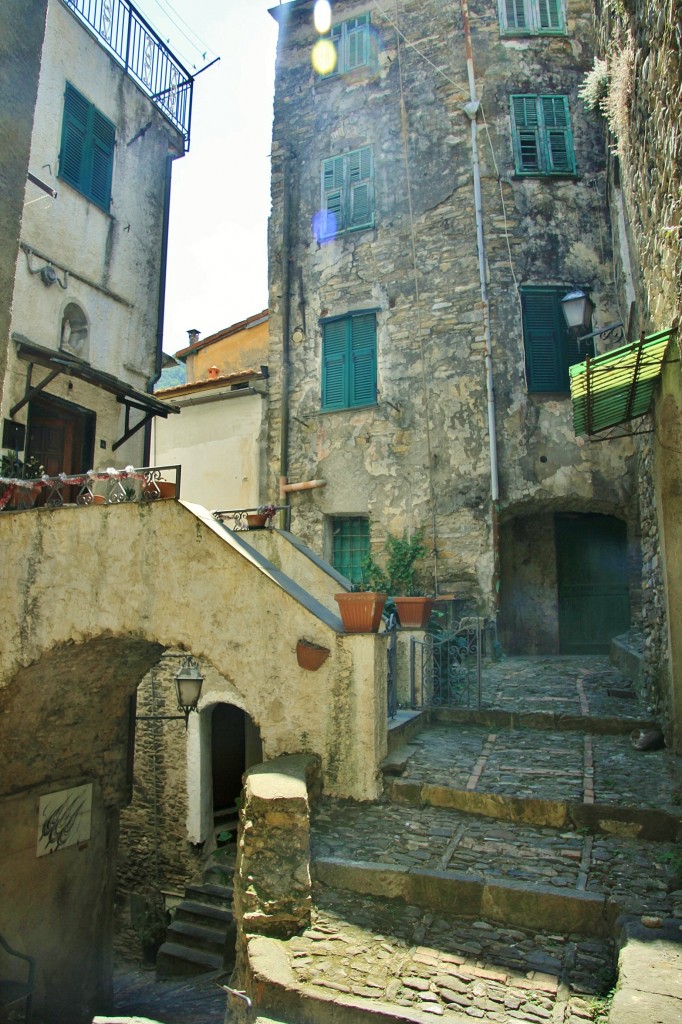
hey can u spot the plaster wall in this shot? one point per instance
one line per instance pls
(113, 258)
(299, 562)
(217, 442)
(419, 457)
(244, 350)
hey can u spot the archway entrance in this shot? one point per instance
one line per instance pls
(235, 746)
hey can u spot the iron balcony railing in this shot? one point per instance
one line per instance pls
(96, 487)
(142, 54)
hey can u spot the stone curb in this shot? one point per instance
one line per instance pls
(634, 822)
(601, 726)
(649, 973)
(505, 902)
(274, 989)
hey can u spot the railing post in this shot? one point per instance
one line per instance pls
(130, 27)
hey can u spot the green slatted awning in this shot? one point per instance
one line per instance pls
(617, 386)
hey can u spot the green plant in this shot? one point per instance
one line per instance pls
(267, 510)
(398, 576)
(151, 926)
(12, 467)
(595, 86)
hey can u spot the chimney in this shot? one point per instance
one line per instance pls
(193, 335)
(213, 372)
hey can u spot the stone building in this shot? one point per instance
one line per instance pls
(436, 193)
(88, 157)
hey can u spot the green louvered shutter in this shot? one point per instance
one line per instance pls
(363, 357)
(332, 195)
(357, 42)
(360, 213)
(514, 15)
(550, 15)
(544, 340)
(558, 141)
(335, 365)
(103, 134)
(74, 155)
(524, 112)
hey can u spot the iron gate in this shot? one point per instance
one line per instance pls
(445, 669)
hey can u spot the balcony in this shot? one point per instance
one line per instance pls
(142, 54)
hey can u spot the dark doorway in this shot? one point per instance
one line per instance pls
(592, 578)
(61, 436)
(235, 746)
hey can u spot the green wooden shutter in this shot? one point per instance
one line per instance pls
(557, 128)
(360, 188)
(514, 15)
(363, 360)
(357, 43)
(103, 134)
(74, 154)
(543, 337)
(550, 15)
(335, 365)
(524, 113)
(332, 195)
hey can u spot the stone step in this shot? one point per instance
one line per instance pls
(197, 936)
(211, 893)
(208, 913)
(175, 960)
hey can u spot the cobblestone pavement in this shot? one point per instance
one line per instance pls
(383, 949)
(196, 1000)
(637, 874)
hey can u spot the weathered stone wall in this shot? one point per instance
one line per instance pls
(22, 27)
(420, 457)
(645, 100)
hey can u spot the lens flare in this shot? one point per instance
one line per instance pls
(323, 56)
(322, 16)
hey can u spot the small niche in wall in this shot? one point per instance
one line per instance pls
(75, 332)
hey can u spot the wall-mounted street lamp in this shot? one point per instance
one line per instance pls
(578, 308)
(188, 683)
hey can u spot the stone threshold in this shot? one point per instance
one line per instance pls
(544, 720)
(609, 819)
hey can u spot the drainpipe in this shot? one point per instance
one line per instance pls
(161, 303)
(285, 515)
(471, 110)
(307, 485)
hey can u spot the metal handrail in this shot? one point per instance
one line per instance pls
(143, 55)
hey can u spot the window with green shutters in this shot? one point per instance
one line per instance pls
(349, 361)
(350, 545)
(550, 347)
(347, 193)
(541, 131)
(351, 39)
(532, 17)
(86, 157)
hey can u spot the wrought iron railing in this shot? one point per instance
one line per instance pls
(239, 519)
(446, 669)
(142, 54)
(96, 487)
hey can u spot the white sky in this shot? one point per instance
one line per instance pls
(220, 199)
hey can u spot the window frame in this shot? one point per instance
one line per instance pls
(531, 13)
(86, 152)
(343, 35)
(359, 540)
(349, 361)
(542, 135)
(547, 359)
(347, 193)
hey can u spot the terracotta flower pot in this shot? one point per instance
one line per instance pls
(256, 520)
(310, 656)
(414, 612)
(361, 611)
(167, 489)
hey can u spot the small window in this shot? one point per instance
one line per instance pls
(542, 139)
(532, 17)
(349, 361)
(549, 345)
(350, 546)
(347, 193)
(351, 41)
(86, 158)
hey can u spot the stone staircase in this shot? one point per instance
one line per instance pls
(201, 936)
(515, 868)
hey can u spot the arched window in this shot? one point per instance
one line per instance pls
(74, 334)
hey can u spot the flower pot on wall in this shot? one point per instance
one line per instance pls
(167, 489)
(310, 656)
(256, 520)
(361, 611)
(414, 612)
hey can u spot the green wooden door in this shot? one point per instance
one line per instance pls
(592, 579)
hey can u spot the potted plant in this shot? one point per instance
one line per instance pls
(151, 931)
(259, 519)
(398, 578)
(361, 609)
(12, 468)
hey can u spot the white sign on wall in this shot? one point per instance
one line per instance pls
(64, 819)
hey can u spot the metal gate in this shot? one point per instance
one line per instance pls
(392, 664)
(445, 670)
